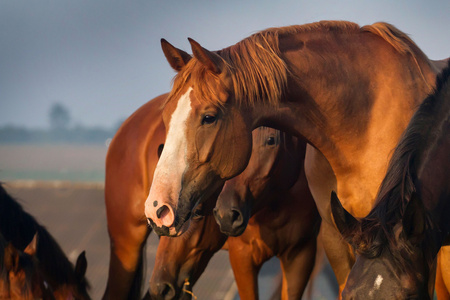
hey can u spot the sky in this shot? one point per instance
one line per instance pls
(102, 59)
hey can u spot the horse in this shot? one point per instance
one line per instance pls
(399, 240)
(348, 90)
(19, 229)
(130, 161)
(275, 166)
(20, 277)
(285, 226)
(179, 262)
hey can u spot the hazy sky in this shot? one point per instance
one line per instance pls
(103, 59)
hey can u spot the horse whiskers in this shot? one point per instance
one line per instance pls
(187, 283)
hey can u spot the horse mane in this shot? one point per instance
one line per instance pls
(399, 184)
(258, 72)
(18, 227)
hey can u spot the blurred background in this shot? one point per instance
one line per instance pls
(72, 71)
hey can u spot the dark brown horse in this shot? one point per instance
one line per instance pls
(19, 229)
(20, 277)
(398, 241)
(285, 226)
(275, 166)
(349, 90)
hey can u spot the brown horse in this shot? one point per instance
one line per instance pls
(276, 162)
(349, 90)
(20, 229)
(399, 240)
(180, 261)
(131, 159)
(130, 162)
(285, 225)
(20, 277)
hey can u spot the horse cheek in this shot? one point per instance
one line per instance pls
(204, 143)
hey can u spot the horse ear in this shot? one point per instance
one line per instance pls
(177, 58)
(414, 219)
(210, 59)
(32, 246)
(345, 222)
(81, 265)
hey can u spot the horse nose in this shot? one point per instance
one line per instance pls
(231, 222)
(164, 291)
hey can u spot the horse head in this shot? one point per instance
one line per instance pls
(181, 260)
(208, 139)
(274, 166)
(20, 276)
(391, 261)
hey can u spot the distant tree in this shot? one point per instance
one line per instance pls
(59, 117)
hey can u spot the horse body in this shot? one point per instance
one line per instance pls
(21, 230)
(399, 240)
(130, 161)
(349, 91)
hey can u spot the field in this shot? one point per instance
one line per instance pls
(62, 186)
(52, 162)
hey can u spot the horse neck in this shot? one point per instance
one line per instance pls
(352, 103)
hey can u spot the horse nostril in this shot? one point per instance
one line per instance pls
(162, 210)
(236, 218)
(167, 291)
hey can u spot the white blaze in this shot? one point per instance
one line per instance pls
(376, 285)
(166, 184)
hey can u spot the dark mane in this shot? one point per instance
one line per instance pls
(3, 271)
(399, 184)
(258, 72)
(18, 227)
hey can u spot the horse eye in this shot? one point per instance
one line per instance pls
(197, 215)
(208, 119)
(270, 141)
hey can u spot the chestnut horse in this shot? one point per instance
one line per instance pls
(130, 162)
(180, 261)
(349, 90)
(399, 240)
(20, 229)
(286, 226)
(131, 159)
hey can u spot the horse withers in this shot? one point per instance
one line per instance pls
(399, 240)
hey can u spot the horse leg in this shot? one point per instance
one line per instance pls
(297, 269)
(128, 233)
(244, 268)
(442, 283)
(321, 181)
